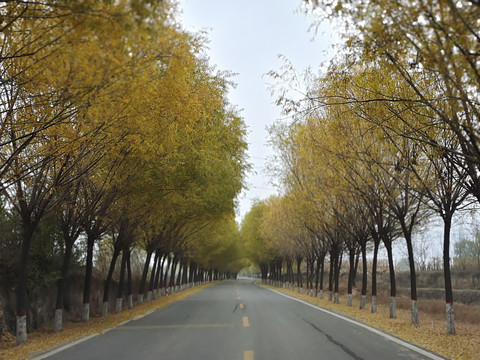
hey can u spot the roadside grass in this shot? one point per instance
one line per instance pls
(45, 338)
(429, 334)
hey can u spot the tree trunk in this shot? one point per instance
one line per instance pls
(447, 275)
(118, 304)
(193, 268)
(167, 269)
(338, 265)
(310, 285)
(322, 272)
(317, 275)
(152, 276)
(61, 285)
(308, 271)
(88, 277)
(141, 289)
(21, 304)
(299, 272)
(351, 276)
(355, 270)
(290, 276)
(171, 282)
(393, 287)
(162, 268)
(129, 281)
(158, 275)
(184, 280)
(108, 280)
(330, 277)
(376, 241)
(413, 277)
(363, 299)
(179, 275)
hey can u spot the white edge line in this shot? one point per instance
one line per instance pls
(372, 329)
(76, 342)
(66, 346)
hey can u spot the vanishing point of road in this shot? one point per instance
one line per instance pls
(240, 320)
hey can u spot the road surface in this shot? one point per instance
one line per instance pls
(239, 320)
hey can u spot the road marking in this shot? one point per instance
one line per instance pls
(64, 347)
(239, 298)
(248, 355)
(241, 306)
(174, 326)
(419, 350)
(245, 322)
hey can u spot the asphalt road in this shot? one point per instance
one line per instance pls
(240, 320)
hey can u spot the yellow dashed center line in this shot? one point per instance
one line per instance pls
(248, 355)
(174, 326)
(241, 306)
(239, 298)
(245, 322)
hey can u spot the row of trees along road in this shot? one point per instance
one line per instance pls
(385, 137)
(115, 132)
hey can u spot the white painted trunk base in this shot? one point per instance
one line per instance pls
(414, 312)
(450, 319)
(58, 320)
(330, 296)
(349, 299)
(321, 294)
(393, 307)
(86, 312)
(149, 296)
(105, 309)
(21, 329)
(130, 301)
(336, 298)
(139, 299)
(118, 305)
(363, 302)
(374, 304)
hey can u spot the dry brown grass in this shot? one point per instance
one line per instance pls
(435, 309)
(429, 334)
(46, 338)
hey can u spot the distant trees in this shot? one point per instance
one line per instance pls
(467, 252)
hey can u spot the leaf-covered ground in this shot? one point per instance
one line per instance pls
(39, 341)
(430, 333)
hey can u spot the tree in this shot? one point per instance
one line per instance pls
(438, 42)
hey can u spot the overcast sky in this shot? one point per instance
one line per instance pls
(247, 37)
